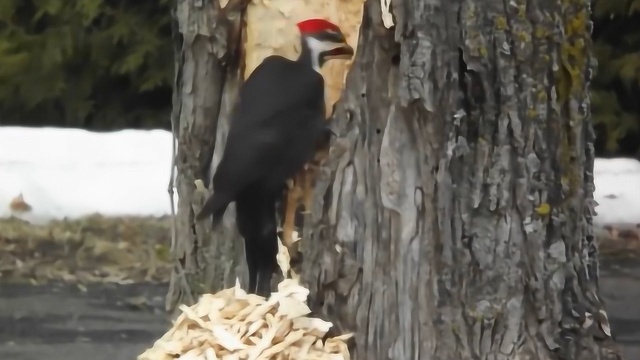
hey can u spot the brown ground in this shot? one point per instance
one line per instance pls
(91, 250)
(95, 289)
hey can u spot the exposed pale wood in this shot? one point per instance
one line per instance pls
(291, 198)
(300, 191)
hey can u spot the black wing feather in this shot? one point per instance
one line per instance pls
(274, 128)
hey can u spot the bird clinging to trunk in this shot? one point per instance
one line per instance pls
(275, 126)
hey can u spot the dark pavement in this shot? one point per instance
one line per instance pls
(620, 289)
(118, 322)
(56, 322)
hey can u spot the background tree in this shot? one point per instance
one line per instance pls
(616, 110)
(96, 64)
(107, 65)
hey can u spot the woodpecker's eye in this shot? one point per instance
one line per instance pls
(333, 36)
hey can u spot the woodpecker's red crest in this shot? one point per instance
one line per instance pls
(322, 41)
(311, 26)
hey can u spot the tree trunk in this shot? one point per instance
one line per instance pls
(454, 217)
(210, 65)
(208, 69)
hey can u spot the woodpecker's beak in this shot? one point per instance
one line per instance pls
(343, 51)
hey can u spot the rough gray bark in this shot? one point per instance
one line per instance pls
(453, 219)
(206, 82)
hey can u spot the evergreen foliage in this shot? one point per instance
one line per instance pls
(107, 64)
(99, 64)
(616, 87)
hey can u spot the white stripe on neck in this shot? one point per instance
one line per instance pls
(315, 48)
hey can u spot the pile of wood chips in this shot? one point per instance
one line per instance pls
(235, 325)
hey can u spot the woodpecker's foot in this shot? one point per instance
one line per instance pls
(290, 183)
(296, 262)
(295, 258)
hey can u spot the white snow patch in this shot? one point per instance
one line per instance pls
(617, 191)
(73, 173)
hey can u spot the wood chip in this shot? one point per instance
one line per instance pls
(234, 325)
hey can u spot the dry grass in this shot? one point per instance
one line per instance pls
(92, 249)
(619, 241)
(134, 249)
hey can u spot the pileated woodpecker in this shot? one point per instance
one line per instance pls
(275, 126)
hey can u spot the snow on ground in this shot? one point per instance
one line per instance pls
(617, 191)
(73, 173)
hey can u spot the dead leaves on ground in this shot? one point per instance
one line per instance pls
(234, 325)
(619, 240)
(88, 250)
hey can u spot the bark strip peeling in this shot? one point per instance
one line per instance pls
(454, 217)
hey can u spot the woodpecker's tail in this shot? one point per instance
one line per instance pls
(262, 264)
(256, 220)
(215, 205)
(263, 283)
